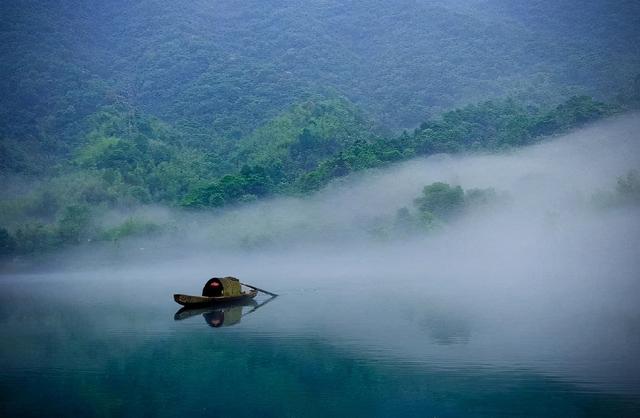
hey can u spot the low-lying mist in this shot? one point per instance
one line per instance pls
(550, 200)
(543, 274)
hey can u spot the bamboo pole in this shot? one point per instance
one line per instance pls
(258, 289)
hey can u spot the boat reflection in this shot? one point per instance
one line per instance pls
(222, 314)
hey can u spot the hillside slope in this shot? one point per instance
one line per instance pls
(216, 70)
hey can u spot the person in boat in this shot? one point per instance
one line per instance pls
(222, 286)
(213, 288)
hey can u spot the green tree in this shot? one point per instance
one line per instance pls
(441, 200)
(73, 224)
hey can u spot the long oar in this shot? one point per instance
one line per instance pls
(258, 289)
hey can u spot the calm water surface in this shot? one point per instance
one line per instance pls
(104, 344)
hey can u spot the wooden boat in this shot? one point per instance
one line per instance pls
(193, 301)
(220, 290)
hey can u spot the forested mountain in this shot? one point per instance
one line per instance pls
(131, 160)
(215, 70)
(204, 104)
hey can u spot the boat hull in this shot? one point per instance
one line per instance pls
(192, 301)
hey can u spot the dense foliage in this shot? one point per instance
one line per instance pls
(487, 126)
(209, 104)
(217, 70)
(130, 159)
(438, 204)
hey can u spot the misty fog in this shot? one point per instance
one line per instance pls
(543, 279)
(427, 208)
(547, 207)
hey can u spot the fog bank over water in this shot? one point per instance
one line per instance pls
(549, 203)
(545, 279)
(548, 237)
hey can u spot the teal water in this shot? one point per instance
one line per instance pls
(108, 345)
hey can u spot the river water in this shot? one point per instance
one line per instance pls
(527, 307)
(112, 343)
